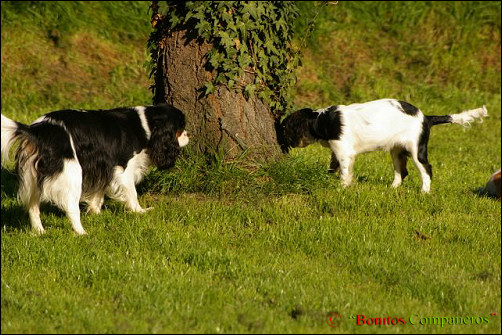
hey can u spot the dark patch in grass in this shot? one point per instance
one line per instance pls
(248, 322)
(14, 217)
(297, 311)
(482, 193)
(9, 183)
(421, 236)
(483, 276)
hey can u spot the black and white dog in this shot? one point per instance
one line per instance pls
(69, 156)
(385, 124)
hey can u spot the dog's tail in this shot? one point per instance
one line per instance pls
(12, 131)
(464, 118)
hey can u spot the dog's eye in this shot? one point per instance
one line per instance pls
(179, 133)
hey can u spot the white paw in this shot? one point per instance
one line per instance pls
(93, 210)
(426, 188)
(80, 232)
(138, 209)
(38, 230)
(396, 184)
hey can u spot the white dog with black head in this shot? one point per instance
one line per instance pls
(385, 124)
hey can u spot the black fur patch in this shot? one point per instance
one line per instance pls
(403, 158)
(422, 146)
(408, 108)
(328, 125)
(105, 139)
(434, 120)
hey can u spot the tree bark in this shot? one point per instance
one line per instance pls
(222, 122)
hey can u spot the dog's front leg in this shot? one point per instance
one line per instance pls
(345, 158)
(334, 165)
(346, 164)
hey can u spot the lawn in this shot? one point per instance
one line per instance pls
(242, 247)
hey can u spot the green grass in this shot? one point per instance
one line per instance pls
(235, 246)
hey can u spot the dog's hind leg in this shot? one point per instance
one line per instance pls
(65, 191)
(399, 158)
(34, 213)
(30, 194)
(419, 155)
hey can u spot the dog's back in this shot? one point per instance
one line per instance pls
(380, 125)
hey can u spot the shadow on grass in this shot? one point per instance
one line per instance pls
(14, 215)
(483, 193)
(9, 183)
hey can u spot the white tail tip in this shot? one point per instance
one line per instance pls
(466, 117)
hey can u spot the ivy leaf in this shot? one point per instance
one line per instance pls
(203, 29)
(215, 58)
(227, 17)
(269, 44)
(225, 39)
(250, 9)
(210, 88)
(249, 90)
(174, 21)
(244, 60)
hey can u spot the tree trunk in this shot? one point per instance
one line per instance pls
(224, 121)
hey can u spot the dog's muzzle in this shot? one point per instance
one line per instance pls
(183, 138)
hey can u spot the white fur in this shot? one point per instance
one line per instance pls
(376, 125)
(123, 188)
(144, 122)
(183, 139)
(8, 130)
(64, 190)
(465, 118)
(382, 125)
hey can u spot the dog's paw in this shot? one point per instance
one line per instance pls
(80, 232)
(396, 184)
(141, 210)
(93, 210)
(37, 231)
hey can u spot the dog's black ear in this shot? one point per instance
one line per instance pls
(164, 147)
(165, 122)
(281, 140)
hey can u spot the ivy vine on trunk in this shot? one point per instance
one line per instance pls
(230, 65)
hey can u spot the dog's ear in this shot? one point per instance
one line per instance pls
(163, 146)
(281, 140)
